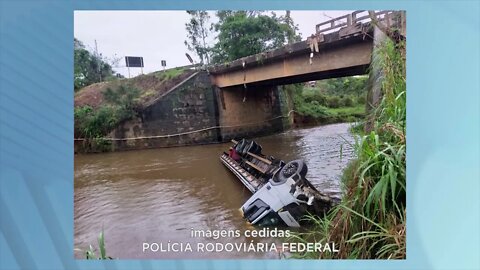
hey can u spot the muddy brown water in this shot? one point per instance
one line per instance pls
(160, 195)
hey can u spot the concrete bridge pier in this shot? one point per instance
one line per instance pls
(374, 94)
(252, 111)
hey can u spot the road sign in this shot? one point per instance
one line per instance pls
(134, 61)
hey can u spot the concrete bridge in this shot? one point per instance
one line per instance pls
(341, 47)
(246, 98)
(250, 89)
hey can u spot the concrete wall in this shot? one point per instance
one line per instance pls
(189, 107)
(374, 94)
(251, 112)
(196, 105)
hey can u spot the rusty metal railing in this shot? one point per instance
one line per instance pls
(351, 25)
(349, 20)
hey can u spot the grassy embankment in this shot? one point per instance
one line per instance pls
(371, 218)
(329, 101)
(101, 107)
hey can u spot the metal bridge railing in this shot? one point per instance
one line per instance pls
(356, 17)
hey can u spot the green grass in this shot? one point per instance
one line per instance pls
(316, 106)
(148, 94)
(169, 74)
(357, 110)
(91, 252)
(370, 221)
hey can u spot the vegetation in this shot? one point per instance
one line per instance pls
(353, 86)
(241, 33)
(88, 67)
(100, 108)
(197, 33)
(169, 73)
(332, 100)
(90, 253)
(371, 218)
(356, 111)
(238, 34)
(119, 105)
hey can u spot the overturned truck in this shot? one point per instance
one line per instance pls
(281, 193)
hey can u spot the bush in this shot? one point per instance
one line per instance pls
(347, 102)
(361, 99)
(318, 97)
(82, 116)
(101, 144)
(309, 97)
(96, 123)
(123, 96)
(91, 123)
(321, 99)
(313, 109)
(334, 102)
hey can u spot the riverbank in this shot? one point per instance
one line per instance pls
(329, 101)
(370, 221)
(101, 107)
(332, 116)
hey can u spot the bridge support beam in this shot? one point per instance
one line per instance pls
(346, 60)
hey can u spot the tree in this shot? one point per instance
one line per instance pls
(77, 44)
(197, 33)
(243, 33)
(88, 68)
(293, 36)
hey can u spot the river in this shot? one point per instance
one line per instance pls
(159, 195)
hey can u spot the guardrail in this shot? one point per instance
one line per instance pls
(348, 20)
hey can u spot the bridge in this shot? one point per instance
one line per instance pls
(249, 89)
(246, 97)
(341, 47)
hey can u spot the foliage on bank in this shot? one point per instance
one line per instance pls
(371, 218)
(120, 104)
(101, 107)
(330, 101)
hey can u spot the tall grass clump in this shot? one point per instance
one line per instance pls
(91, 252)
(371, 218)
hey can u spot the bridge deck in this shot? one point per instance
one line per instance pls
(344, 52)
(337, 56)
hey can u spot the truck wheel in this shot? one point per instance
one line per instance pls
(293, 167)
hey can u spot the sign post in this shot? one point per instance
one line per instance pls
(164, 64)
(134, 61)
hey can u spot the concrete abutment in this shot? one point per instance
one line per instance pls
(196, 112)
